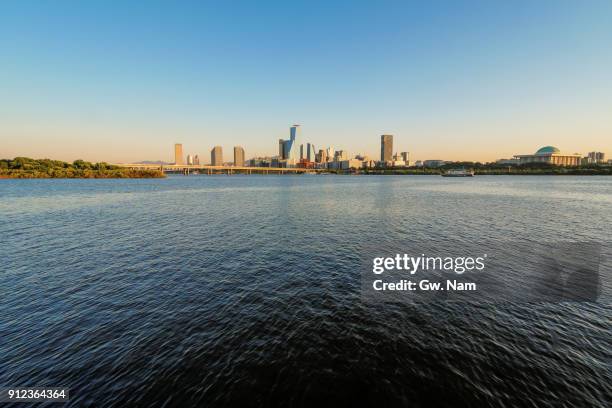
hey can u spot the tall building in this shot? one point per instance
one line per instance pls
(405, 157)
(189, 159)
(322, 156)
(310, 152)
(281, 148)
(307, 152)
(386, 148)
(292, 145)
(596, 157)
(330, 153)
(196, 160)
(178, 154)
(294, 132)
(340, 155)
(238, 156)
(289, 149)
(216, 156)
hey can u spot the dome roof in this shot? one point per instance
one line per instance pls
(548, 150)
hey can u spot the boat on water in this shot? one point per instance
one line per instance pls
(458, 173)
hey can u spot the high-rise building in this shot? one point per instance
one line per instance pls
(340, 155)
(294, 132)
(196, 160)
(178, 154)
(307, 152)
(596, 157)
(386, 148)
(292, 145)
(281, 148)
(330, 153)
(238, 156)
(405, 157)
(289, 149)
(322, 156)
(216, 156)
(310, 152)
(189, 159)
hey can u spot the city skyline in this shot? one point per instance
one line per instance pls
(459, 81)
(294, 152)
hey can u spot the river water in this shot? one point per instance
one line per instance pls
(245, 290)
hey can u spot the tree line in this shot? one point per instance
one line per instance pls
(25, 167)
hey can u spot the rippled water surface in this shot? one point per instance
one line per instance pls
(243, 290)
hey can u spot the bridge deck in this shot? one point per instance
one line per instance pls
(191, 167)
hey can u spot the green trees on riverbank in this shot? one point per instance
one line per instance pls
(24, 167)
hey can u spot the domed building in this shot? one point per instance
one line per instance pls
(547, 150)
(549, 155)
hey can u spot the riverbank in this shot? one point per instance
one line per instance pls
(512, 171)
(24, 167)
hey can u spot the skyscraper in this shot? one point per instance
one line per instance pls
(178, 154)
(292, 145)
(216, 156)
(189, 159)
(196, 160)
(289, 149)
(322, 156)
(310, 152)
(281, 149)
(307, 152)
(340, 155)
(238, 156)
(330, 153)
(405, 157)
(386, 148)
(294, 132)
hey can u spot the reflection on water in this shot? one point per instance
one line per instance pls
(245, 290)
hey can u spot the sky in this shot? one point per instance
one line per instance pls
(122, 81)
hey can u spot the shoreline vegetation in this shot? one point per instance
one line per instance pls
(24, 167)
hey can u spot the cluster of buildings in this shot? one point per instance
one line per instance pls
(293, 152)
(216, 156)
(596, 158)
(178, 155)
(552, 155)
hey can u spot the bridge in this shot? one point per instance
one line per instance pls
(209, 170)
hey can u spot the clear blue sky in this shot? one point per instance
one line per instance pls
(123, 81)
